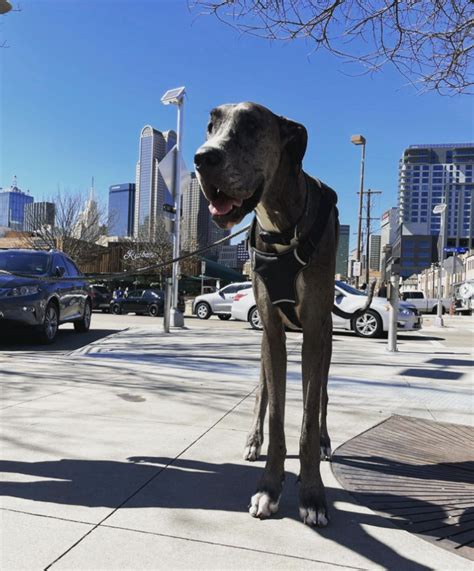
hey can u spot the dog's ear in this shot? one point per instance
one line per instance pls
(294, 139)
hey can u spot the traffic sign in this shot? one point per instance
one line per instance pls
(453, 249)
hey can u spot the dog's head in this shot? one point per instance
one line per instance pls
(245, 146)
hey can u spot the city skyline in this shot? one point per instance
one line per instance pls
(65, 143)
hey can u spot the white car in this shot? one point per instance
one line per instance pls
(371, 324)
(218, 303)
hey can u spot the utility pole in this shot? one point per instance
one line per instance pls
(367, 246)
(360, 140)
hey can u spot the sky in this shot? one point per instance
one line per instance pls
(80, 78)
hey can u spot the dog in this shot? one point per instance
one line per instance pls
(252, 161)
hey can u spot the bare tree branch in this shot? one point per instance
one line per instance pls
(430, 42)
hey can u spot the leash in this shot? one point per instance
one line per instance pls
(131, 272)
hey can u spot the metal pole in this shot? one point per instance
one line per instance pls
(439, 310)
(392, 325)
(166, 313)
(176, 316)
(367, 246)
(361, 198)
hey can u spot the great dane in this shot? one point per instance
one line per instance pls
(252, 160)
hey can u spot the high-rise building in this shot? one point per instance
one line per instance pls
(197, 228)
(431, 175)
(150, 186)
(242, 251)
(228, 256)
(374, 252)
(388, 234)
(38, 215)
(196, 218)
(12, 206)
(342, 256)
(121, 209)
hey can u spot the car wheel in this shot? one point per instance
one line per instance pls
(83, 324)
(153, 310)
(49, 328)
(254, 319)
(203, 311)
(116, 309)
(368, 325)
(224, 316)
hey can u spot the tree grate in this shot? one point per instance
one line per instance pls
(417, 472)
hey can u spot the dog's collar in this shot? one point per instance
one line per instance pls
(291, 235)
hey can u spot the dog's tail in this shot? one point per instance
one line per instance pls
(358, 312)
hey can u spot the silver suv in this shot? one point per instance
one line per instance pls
(218, 303)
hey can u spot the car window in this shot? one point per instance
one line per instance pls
(229, 289)
(413, 295)
(30, 263)
(242, 286)
(71, 267)
(58, 261)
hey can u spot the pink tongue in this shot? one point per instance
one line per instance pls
(223, 205)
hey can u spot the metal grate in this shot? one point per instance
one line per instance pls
(417, 472)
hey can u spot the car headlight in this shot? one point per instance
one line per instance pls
(406, 312)
(23, 291)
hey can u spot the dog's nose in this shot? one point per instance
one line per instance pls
(207, 158)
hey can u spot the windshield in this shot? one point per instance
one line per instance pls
(349, 289)
(30, 263)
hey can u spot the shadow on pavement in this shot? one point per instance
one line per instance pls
(66, 340)
(192, 485)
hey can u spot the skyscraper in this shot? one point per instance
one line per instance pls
(342, 256)
(38, 215)
(374, 252)
(150, 186)
(197, 228)
(121, 209)
(430, 175)
(12, 206)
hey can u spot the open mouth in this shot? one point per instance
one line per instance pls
(225, 208)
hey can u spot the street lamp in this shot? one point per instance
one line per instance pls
(440, 209)
(360, 140)
(176, 97)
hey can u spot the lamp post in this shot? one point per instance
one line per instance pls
(176, 97)
(360, 140)
(440, 209)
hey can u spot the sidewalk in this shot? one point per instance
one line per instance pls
(127, 454)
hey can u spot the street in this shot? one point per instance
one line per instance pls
(122, 448)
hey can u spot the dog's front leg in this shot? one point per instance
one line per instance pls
(313, 508)
(255, 437)
(266, 499)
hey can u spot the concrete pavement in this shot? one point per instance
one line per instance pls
(127, 453)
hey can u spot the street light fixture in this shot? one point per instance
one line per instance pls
(176, 97)
(440, 209)
(360, 140)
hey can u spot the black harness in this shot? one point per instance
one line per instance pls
(279, 272)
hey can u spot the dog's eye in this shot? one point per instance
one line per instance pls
(210, 127)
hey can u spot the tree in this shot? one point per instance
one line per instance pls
(76, 229)
(430, 42)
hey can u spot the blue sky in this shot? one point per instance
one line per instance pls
(80, 78)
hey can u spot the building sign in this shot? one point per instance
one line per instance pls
(134, 255)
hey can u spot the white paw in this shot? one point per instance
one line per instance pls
(261, 505)
(312, 517)
(325, 452)
(251, 453)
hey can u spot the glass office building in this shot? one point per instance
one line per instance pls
(38, 215)
(342, 256)
(12, 207)
(121, 209)
(431, 175)
(150, 186)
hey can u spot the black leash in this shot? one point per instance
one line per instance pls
(131, 272)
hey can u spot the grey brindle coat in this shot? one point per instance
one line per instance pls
(251, 160)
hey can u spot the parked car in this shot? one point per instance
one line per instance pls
(373, 323)
(218, 303)
(101, 297)
(463, 298)
(142, 301)
(35, 292)
(425, 304)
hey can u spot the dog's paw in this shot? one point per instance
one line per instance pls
(325, 452)
(262, 506)
(252, 452)
(314, 517)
